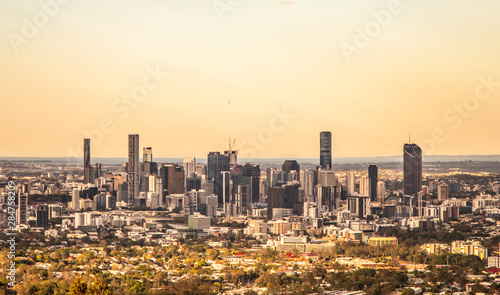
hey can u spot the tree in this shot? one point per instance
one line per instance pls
(99, 288)
(78, 287)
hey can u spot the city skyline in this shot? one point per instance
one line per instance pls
(250, 147)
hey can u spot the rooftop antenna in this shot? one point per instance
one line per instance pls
(409, 137)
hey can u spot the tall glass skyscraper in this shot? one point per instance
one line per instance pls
(373, 176)
(133, 168)
(412, 169)
(325, 149)
(88, 170)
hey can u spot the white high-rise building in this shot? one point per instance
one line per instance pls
(75, 199)
(381, 191)
(152, 183)
(88, 218)
(159, 189)
(189, 164)
(153, 200)
(364, 186)
(351, 183)
(307, 182)
(79, 220)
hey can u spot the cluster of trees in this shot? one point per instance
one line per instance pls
(370, 281)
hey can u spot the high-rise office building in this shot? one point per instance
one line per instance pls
(75, 199)
(443, 192)
(193, 182)
(381, 191)
(172, 176)
(88, 170)
(42, 216)
(351, 183)
(98, 170)
(251, 177)
(217, 162)
(364, 186)
(286, 196)
(359, 205)
(86, 152)
(133, 168)
(412, 169)
(189, 164)
(326, 177)
(328, 197)
(275, 177)
(233, 157)
(308, 181)
(147, 166)
(325, 153)
(122, 194)
(147, 154)
(291, 165)
(373, 176)
(22, 208)
(224, 188)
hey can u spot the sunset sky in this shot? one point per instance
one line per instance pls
(229, 68)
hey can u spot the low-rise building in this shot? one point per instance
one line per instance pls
(469, 248)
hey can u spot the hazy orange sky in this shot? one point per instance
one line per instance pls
(368, 71)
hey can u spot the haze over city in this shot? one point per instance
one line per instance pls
(237, 147)
(224, 71)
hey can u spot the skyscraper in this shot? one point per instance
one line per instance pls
(325, 149)
(98, 170)
(88, 170)
(75, 199)
(133, 168)
(308, 182)
(359, 205)
(364, 186)
(216, 164)
(172, 176)
(412, 169)
(42, 216)
(373, 176)
(147, 155)
(443, 192)
(286, 196)
(189, 164)
(291, 165)
(147, 166)
(351, 183)
(86, 152)
(22, 208)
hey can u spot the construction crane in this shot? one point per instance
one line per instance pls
(231, 145)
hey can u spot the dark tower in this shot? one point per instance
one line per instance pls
(86, 152)
(325, 149)
(412, 169)
(133, 168)
(88, 170)
(42, 216)
(216, 164)
(290, 165)
(373, 177)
